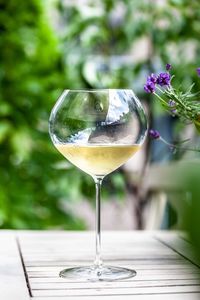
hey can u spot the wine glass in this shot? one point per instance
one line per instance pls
(98, 131)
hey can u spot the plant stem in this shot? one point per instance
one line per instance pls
(161, 99)
(177, 147)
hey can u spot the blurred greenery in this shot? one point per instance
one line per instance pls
(31, 189)
(184, 198)
(47, 46)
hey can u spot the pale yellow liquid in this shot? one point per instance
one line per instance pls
(98, 159)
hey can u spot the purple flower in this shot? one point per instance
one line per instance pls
(172, 103)
(154, 134)
(168, 67)
(149, 87)
(198, 72)
(152, 78)
(163, 79)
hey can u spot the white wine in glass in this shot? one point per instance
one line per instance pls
(98, 131)
(97, 160)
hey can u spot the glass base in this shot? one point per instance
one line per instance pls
(94, 273)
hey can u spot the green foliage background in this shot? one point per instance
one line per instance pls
(47, 46)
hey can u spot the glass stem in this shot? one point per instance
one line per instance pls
(98, 181)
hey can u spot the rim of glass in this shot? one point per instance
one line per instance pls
(95, 90)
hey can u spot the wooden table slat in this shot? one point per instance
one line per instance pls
(120, 284)
(182, 296)
(118, 291)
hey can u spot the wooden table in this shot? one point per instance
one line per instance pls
(31, 260)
